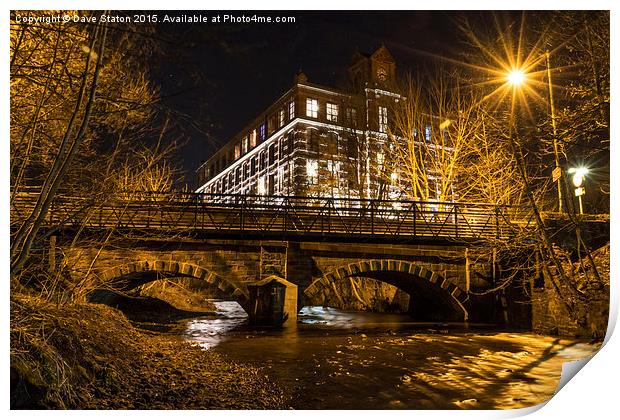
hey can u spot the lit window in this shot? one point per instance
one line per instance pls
(261, 132)
(382, 119)
(312, 108)
(237, 150)
(281, 181)
(245, 143)
(394, 178)
(291, 110)
(427, 132)
(380, 158)
(261, 186)
(281, 115)
(253, 138)
(332, 112)
(312, 170)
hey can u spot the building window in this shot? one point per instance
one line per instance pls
(261, 132)
(380, 158)
(272, 154)
(394, 178)
(331, 143)
(382, 119)
(352, 147)
(263, 160)
(253, 167)
(281, 115)
(312, 108)
(253, 139)
(352, 117)
(291, 144)
(313, 140)
(291, 110)
(427, 132)
(312, 171)
(237, 150)
(271, 184)
(245, 143)
(281, 181)
(332, 112)
(238, 175)
(262, 190)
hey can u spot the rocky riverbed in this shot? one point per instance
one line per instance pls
(91, 357)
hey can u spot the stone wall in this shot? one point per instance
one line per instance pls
(591, 312)
(397, 272)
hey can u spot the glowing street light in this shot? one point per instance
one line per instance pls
(516, 77)
(579, 176)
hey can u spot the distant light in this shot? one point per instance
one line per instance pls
(516, 77)
(579, 175)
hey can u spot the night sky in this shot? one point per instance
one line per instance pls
(216, 78)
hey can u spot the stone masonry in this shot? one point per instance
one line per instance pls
(435, 277)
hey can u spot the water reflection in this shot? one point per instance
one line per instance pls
(210, 331)
(337, 359)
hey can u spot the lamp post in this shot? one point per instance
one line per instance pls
(579, 175)
(516, 78)
(557, 172)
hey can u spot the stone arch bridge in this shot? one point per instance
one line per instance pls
(437, 278)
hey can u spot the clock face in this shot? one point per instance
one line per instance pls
(382, 73)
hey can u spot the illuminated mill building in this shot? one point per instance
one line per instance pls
(315, 140)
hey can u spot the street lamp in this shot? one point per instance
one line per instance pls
(516, 77)
(579, 175)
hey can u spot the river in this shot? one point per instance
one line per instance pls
(336, 359)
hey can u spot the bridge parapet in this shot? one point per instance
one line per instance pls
(284, 217)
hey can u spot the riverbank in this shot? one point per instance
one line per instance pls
(91, 357)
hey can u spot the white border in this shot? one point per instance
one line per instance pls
(592, 395)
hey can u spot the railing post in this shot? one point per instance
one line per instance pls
(456, 220)
(372, 217)
(415, 219)
(242, 215)
(285, 203)
(330, 204)
(497, 233)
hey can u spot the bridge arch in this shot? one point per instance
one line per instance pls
(432, 296)
(133, 274)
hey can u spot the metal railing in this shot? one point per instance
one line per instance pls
(282, 217)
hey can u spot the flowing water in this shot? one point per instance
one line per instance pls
(336, 359)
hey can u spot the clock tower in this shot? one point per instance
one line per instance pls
(378, 68)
